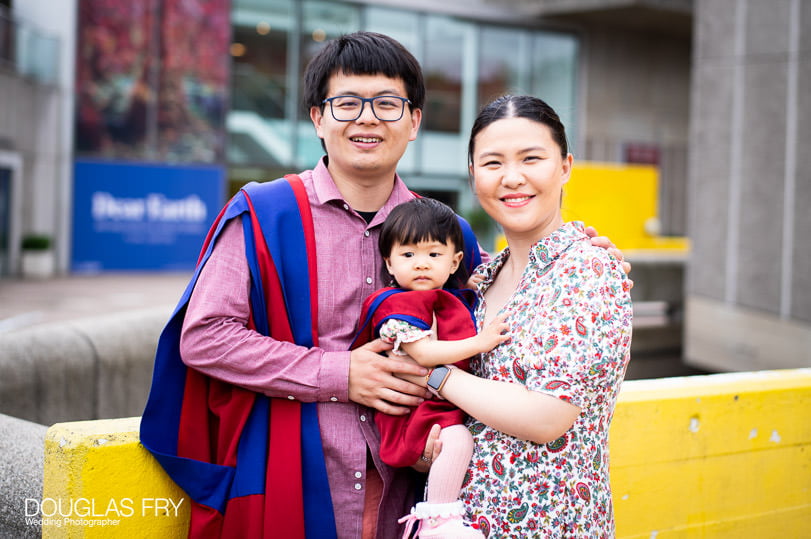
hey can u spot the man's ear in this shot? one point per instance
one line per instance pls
(416, 120)
(316, 115)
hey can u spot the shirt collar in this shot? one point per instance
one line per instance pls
(326, 191)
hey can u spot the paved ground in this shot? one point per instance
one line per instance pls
(24, 303)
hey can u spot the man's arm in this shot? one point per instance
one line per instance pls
(217, 341)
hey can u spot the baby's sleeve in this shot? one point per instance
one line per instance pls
(396, 332)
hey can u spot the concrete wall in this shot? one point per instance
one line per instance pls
(29, 129)
(49, 182)
(87, 369)
(636, 88)
(704, 456)
(749, 186)
(21, 469)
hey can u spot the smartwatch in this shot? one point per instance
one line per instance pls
(436, 379)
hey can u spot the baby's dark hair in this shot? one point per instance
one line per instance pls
(423, 219)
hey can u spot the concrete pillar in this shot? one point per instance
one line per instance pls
(748, 296)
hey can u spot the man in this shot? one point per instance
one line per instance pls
(365, 94)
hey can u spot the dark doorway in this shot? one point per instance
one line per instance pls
(5, 220)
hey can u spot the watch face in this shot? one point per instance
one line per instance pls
(437, 375)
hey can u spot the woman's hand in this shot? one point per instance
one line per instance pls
(493, 334)
(433, 446)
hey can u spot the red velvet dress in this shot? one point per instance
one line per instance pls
(402, 438)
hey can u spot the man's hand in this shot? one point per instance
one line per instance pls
(374, 381)
(606, 243)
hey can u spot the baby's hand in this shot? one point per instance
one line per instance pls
(474, 280)
(495, 333)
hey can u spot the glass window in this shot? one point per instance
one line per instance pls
(554, 75)
(447, 43)
(442, 68)
(404, 26)
(259, 126)
(321, 22)
(503, 62)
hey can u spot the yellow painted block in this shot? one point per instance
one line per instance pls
(718, 456)
(99, 481)
(621, 202)
(773, 525)
(725, 488)
(713, 456)
(696, 424)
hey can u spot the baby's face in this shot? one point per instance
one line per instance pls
(423, 266)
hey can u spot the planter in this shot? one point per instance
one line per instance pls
(38, 260)
(38, 264)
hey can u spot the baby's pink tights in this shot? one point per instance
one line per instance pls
(448, 470)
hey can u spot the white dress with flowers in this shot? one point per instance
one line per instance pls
(570, 320)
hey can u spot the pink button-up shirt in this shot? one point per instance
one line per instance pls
(217, 342)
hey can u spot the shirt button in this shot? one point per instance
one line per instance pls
(334, 399)
(358, 486)
(363, 418)
(358, 475)
(368, 280)
(366, 233)
(291, 397)
(346, 207)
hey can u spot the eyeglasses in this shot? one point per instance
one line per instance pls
(348, 108)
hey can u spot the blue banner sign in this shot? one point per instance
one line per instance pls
(135, 216)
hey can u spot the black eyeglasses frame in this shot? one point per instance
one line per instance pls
(363, 101)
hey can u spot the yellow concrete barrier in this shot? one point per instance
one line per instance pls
(99, 481)
(724, 455)
(718, 456)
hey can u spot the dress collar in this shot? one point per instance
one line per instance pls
(543, 253)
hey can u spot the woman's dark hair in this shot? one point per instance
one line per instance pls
(423, 219)
(363, 53)
(519, 106)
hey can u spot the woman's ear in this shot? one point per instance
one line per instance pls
(566, 167)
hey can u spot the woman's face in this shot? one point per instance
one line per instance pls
(518, 175)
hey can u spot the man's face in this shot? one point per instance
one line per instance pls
(365, 148)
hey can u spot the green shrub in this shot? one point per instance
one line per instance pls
(36, 242)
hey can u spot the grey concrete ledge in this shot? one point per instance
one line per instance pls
(89, 368)
(21, 464)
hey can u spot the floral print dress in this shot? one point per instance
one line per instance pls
(570, 320)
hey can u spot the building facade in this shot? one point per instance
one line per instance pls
(677, 84)
(120, 63)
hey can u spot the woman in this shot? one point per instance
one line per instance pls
(540, 404)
